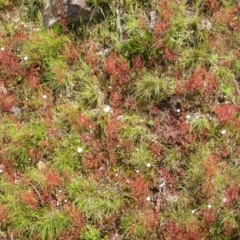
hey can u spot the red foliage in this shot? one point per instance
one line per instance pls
(92, 57)
(175, 231)
(231, 17)
(169, 55)
(84, 122)
(212, 5)
(116, 68)
(229, 228)
(7, 103)
(156, 149)
(113, 128)
(138, 63)
(139, 188)
(116, 99)
(209, 216)
(232, 194)
(202, 80)
(3, 215)
(29, 198)
(9, 65)
(225, 112)
(53, 178)
(94, 161)
(33, 78)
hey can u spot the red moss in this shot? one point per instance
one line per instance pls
(118, 69)
(202, 80)
(225, 112)
(170, 55)
(209, 216)
(53, 178)
(9, 65)
(29, 198)
(138, 63)
(139, 188)
(232, 194)
(84, 122)
(3, 215)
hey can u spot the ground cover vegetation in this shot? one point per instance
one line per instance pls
(128, 128)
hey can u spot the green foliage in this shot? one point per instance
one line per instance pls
(106, 126)
(95, 200)
(43, 46)
(151, 89)
(90, 233)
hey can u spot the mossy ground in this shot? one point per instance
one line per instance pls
(124, 129)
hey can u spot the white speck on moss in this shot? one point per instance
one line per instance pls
(209, 206)
(193, 211)
(79, 150)
(2, 48)
(25, 58)
(148, 165)
(148, 198)
(188, 117)
(44, 96)
(107, 109)
(223, 132)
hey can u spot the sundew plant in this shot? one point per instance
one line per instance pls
(127, 128)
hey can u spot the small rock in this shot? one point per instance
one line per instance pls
(69, 11)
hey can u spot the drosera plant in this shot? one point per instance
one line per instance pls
(105, 128)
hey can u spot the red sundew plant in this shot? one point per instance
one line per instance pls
(209, 216)
(202, 80)
(139, 188)
(53, 178)
(232, 194)
(3, 215)
(175, 231)
(225, 112)
(29, 198)
(117, 69)
(84, 122)
(116, 99)
(33, 78)
(212, 5)
(93, 58)
(138, 63)
(230, 19)
(169, 55)
(9, 65)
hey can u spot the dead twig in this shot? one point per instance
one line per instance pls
(119, 26)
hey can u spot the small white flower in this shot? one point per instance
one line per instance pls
(137, 171)
(1, 171)
(25, 58)
(209, 206)
(2, 48)
(193, 211)
(120, 117)
(224, 200)
(178, 110)
(223, 132)
(107, 109)
(148, 165)
(188, 117)
(80, 150)
(148, 198)
(44, 96)
(15, 27)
